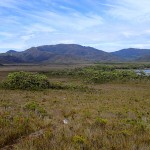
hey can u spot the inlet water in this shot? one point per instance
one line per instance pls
(146, 71)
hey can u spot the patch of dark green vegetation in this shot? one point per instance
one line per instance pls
(26, 81)
(102, 73)
(59, 86)
(34, 81)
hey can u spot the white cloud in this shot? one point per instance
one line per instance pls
(6, 34)
(76, 21)
(132, 10)
(27, 37)
(38, 28)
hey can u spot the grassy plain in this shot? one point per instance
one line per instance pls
(108, 116)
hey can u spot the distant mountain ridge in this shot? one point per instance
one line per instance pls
(132, 54)
(11, 51)
(72, 53)
(61, 53)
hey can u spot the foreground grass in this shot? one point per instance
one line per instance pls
(111, 116)
(78, 113)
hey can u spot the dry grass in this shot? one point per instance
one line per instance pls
(36, 67)
(109, 117)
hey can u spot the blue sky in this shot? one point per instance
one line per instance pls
(108, 25)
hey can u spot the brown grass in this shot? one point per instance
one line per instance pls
(109, 117)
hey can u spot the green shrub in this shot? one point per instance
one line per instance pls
(126, 132)
(33, 106)
(101, 121)
(79, 139)
(26, 81)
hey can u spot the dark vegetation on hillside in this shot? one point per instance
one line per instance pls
(145, 58)
(7, 59)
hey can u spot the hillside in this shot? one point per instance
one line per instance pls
(145, 58)
(7, 59)
(61, 53)
(132, 54)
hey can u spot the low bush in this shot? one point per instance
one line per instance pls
(26, 81)
(101, 121)
(79, 139)
(33, 106)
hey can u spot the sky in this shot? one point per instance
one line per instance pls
(108, 25)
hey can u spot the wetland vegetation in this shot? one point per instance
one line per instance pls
(105, 105)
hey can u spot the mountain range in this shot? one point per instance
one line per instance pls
(132, 54)
(72, 53)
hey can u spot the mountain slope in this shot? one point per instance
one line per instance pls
(131, 54)
(71, 50)
(61, 53)
(8, 59)
(145, 58)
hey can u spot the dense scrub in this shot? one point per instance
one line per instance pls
(26, 81)
(30, 81)
(101, 74)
